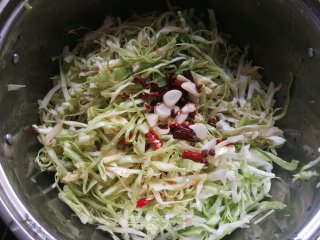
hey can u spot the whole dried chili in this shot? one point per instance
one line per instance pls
(154, 139)
(194, 156)
(182, 132)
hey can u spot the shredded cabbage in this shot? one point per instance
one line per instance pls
(15, 87)
(95, 140)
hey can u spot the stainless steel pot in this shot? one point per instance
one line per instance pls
(284, 36)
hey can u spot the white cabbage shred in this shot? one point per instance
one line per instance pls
(95, 142)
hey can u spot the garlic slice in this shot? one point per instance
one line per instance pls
(152, 119)
(189, 108)
(191, 88)
(162, 110)
(200, 130)
(171, 97)
(181, 118)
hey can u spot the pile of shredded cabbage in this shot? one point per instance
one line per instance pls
(84, 120)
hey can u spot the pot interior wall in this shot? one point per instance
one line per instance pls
(282, 36)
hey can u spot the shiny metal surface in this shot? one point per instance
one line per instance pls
(284, 36)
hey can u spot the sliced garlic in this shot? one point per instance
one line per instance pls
(182, 78)
(152, 119)
(161, 131)
(191, 88)
(162, 110)
(210, 145)
(171, 97)
(189, 108)
(53, 133)
(181, 118)
(200, 130)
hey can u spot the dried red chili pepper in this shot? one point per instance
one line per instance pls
(145, 95)
(154, 139)
(142, 202)
(182, 132)
(141, 81)
(194, 156)
(125, 96)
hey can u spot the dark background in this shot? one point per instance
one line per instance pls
(5, 233)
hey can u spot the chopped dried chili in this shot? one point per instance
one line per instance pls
(142, 202)
(194, 156)
(154, 139)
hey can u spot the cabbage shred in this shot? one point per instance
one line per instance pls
(85, 120)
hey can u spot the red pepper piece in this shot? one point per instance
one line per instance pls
(182, 132)
(125, 96)
(145, 95)
(142, 202)
(154, 139)
(194, 156)
(141, 81)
